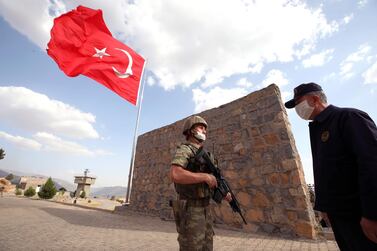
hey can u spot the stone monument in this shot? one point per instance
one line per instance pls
(252, 140)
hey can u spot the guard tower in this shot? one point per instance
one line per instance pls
(83, 183)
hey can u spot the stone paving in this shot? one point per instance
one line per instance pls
(27, 224)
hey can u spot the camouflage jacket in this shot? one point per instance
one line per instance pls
(184, 157)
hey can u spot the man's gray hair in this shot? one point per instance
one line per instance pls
(321, 95)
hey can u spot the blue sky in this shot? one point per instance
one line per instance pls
(201, 54)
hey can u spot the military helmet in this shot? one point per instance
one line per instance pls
(191, 121)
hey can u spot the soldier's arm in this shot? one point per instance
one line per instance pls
(182, 176)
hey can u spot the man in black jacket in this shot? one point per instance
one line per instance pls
(344, 150)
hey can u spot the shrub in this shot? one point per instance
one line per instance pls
(48, 190)
(82, 194)
(18, 191)
(30, 192)
(2, 153)
(121, 201)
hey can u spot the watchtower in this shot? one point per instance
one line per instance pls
(83, 183)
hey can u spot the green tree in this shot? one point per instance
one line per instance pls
(48, 190)
(10, 177)
(18, 191)
(82, 194)
(30, 192)
(2, 153)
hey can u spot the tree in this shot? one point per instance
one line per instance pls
(2, 153)
(30, 192)
(48, 190)
(9, 177)
(82, 194)
(18, 191)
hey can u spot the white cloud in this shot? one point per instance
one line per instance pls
(362, 3)
(318, 59)
(190, 41)
(347, 66)
(32, 18)
(151, 81)
(43, 141)
(21, 141)
(34, 111)
(275, 77)
(243, 82)
(370, 75)
(53, 143)
(215, 97)
(348, 18)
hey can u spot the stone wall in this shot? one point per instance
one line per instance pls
(252, 140)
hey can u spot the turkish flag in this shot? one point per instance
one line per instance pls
(82, 44)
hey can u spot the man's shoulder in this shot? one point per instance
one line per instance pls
(348, 112)
(187, 146)
(186, 149)
(345, 112)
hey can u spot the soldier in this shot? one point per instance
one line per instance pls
(194, 188)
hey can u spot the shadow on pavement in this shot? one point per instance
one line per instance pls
(98, 219)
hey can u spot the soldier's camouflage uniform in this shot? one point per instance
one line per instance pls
(191, 209)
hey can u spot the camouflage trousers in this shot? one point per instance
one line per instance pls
(194, 226)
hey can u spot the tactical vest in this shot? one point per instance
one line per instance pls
(194, 191)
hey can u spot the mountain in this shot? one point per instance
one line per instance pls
(117, 191)
(3, 173)
(58, 182)
(62, 183)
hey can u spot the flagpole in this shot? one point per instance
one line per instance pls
(131, 172)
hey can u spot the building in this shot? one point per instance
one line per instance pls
(31, 181)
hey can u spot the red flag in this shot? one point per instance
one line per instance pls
(81, 44)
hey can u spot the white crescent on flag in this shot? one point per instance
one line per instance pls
(128, 71)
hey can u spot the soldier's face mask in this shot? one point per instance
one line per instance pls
(304, 110)
(199, 135)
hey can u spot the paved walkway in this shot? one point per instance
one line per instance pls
(41, 225)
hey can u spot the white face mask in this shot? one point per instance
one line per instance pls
(304, 110)
(199, 136)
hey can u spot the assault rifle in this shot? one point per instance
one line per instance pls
(222, 188)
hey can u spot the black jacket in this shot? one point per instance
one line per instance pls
(344, 149)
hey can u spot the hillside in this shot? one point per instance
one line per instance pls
(58, 182)
(117, 191)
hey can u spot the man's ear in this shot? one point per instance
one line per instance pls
(313, 100)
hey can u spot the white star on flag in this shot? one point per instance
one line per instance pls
(100, 53)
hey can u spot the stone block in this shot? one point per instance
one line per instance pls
(271, 139)
(292, 215)
(254, 215)
(305, 229)
(260, 200)
(289, 164)
(244, 199)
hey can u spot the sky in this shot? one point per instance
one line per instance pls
(201, 54)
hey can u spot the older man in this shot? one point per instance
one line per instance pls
(344, 151)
